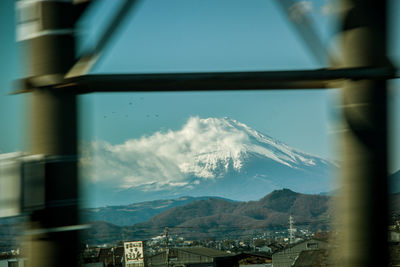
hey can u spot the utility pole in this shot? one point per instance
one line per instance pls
(167, 243)
(363, 210)
(113, 254)
(291, 230)
(46, 29)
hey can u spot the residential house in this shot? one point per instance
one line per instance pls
(312, 258)
(287, 256)
(191, 257)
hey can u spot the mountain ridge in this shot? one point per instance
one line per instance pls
(212, 218)
(217, 217)
(124, 215)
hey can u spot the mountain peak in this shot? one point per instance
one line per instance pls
(277, 197)
(283, 192)
(241, 140)
(233, 159)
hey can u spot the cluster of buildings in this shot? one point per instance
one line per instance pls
(297, 254)
(283, 248)
(312, 252)
(309, 252)
(274, 249)
(177, 257)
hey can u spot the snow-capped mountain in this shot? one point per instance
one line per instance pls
(212, 156)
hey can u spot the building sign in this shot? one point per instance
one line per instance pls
(133, 252)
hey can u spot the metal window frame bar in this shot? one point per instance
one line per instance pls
(206, 81)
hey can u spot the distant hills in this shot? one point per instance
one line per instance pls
(215, 218)
(124, 215)
(273, 209)
(203, 217)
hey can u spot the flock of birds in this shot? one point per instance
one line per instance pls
(126, 115)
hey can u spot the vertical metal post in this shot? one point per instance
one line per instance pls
(167, 244)
(46, 27)
(364, 199)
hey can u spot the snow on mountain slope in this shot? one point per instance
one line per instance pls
(212, 156)
(265, 145)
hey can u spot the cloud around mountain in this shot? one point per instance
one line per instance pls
(203, 149)
(200, 148)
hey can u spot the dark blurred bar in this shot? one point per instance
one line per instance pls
(47, 28)
(363, 212)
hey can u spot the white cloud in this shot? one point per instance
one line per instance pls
(204, 148)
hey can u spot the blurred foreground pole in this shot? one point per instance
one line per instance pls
(364, 204)
(47, 30)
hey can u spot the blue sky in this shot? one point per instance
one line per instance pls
(172, 36)
(185, 36)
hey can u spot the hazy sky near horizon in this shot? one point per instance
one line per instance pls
(186, 36)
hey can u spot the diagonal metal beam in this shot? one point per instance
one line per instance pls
(87, 61)
(80, 6)
(306, 30)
